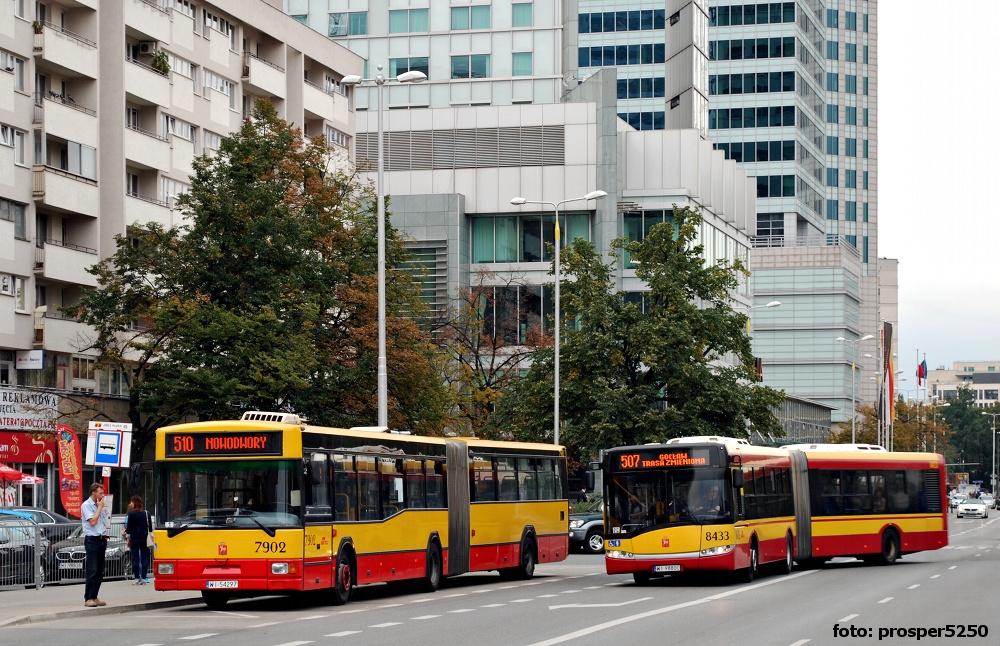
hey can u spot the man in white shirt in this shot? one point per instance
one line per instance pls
(96, 520)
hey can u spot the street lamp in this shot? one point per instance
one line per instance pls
(520, 201)
(993, 475)
(854, 344)
(413, 76)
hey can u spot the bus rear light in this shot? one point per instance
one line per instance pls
(164, 568)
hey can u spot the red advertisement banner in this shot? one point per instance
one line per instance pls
(17, 447)
(70, 471)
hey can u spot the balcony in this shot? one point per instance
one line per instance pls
(56, 332)
(146, 84)
(322, 104)
(64, 262)
(828, 240)
(146, 149)
(64, 118)
(65, 191)
(148, 19)
(263, 76)
(142, 209)
(69, 53)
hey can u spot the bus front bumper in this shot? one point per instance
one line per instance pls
(233, 576)
(716, 558)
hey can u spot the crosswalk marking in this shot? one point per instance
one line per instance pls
(935, 576)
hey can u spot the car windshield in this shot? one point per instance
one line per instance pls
(641, 501)
(230, 493)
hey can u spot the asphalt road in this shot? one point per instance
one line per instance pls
(575, 602)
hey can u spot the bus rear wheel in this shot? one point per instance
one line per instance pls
(786, 567)
(526, 569)
(215, 600)
(890, 547)
(433, 578)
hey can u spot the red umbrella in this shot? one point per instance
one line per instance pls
(10, 474)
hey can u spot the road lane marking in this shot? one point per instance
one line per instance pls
(344, 633)
(847, 618)
(599, 605)
(266, 623)
(201, 636)
(887, 600)
(451, 596)
(953, 567)
(426, 617)
(235, 614)
(387, 624)
(390, 605)
(521, 600)
(493, 605)
(547, 596)
(935, 576)
(915, 585)
(568, 591)
(349, 612)
(593, 587)
(295, 643)
(652, 613)
(800, 642)
(312, 617)
(421, 600)
(479, 591)
(462, 610)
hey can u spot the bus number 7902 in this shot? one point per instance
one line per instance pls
(272, 546)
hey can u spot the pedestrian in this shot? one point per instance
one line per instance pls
(138, 526)
(96, 520)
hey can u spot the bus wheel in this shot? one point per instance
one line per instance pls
(789, 549)
(344, 583)
(527, 568)
(641, 578)
(215, 600)
(433, 578)
(751, 571)
(890, 547)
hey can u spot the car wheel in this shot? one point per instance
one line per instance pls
(594, 543)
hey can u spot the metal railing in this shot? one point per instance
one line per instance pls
(828, 240)
(151, 200)
(145, 132)
(38, 184)
(144, 66)
(332, 90)
(41, 242)
(64, 99)
(246, 63)
(69, 34)
(156, 5)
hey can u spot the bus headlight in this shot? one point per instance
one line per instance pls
(164, 568)
(619, 554)
(279, 568)
(715, 551)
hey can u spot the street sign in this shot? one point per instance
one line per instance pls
(108, 444)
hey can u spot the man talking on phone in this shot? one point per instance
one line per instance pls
(96, 520)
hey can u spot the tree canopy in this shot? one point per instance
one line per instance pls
(265, 298)
(675, 362)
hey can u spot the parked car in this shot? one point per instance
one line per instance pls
(55, 527)
(989, 500)
(71, 556)
(17, 551)
(586, 526)
(955, 499)
(973, 507)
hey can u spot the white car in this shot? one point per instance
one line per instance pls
(972, 507)
(988, 499)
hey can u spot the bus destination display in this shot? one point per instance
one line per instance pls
(660, 459)
(249, 443)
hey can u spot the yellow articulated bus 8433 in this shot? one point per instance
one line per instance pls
(268, 505)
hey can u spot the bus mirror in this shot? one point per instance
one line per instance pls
(594, 466)
(737, 479)
(588, 480)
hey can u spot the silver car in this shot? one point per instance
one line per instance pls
(972, 507)
(988, 499)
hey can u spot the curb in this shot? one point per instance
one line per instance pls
(105, 610)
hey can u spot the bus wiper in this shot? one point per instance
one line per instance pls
(174, 531)
(249, 513)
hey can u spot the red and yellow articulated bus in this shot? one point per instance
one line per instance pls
(268, 504)
(712, 503)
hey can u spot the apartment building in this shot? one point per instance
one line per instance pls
(99, 134)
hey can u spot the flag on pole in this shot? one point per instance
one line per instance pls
(890, 374)
(922, 372)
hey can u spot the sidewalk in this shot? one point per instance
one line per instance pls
(23, 606)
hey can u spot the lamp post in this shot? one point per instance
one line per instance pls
(519, 201)
(993, 475)
(855, 343)
(412, 76)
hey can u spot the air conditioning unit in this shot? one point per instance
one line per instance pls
(147, 47)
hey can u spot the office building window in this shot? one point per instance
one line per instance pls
(851, 147)
(523, 238)
(761, 117)
(851, 84)
(610, 21)
(354, 23)
(850, 115)
(850, 178)
(14, 212)
(642, 88)
(833, 145)
(865, 23)
(864, 178)
(832, 18)
(832, 210)
(521, 14)
(776, 186)
(832, 113)
(475, 66)
(521, 64)
(851, 52)
(13, 65)
(770, 224)
(476, 17)
(865, 149)
(609, 55)
(832, 50)
(398, 66)
(832, 82)
(832, 177)
(865, 114)
(749, 48)
(758, 151)
(851, 211)
(864, 211)
(644, 120)
(751, 14)
(850, 21)
(751, 83)
(865, 85)
(402, 21)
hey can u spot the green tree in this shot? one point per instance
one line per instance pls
(264, 299)
(916, 428)
(630, 376)
(971, 443)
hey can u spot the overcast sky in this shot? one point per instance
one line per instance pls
(938, 175)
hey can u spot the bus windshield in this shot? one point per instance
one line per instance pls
(643, 500)
(256, 494)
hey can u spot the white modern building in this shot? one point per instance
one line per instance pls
(980, 377)
(97, 135)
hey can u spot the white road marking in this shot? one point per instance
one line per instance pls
(568, 591)
(847, 618)
(462, 610)
(887, 600)
(507, 587)
(532, 583)
(387, 624)
(935, 576)
(493, 605)
(978, 554)
(521, 600)
(266, 623)
(294, 643)
(593, 587)
(235, 614)
(953, 567)
(201, 636)
(349, 612)
(547, 596)
(312, 617)
(800, 642)
(344, 633)
(426, 617)
(478, 591)
(421, 600)
(915, 585)
(599, 605)
(451, 596)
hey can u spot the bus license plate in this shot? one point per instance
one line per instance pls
(221, 584)
(666, 568)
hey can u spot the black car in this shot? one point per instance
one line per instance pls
(54, 527)
(70, 555)
(17, 552)
(586, 526)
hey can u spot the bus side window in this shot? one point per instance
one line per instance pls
(527, 484)
(345, 487)
(434, 471)
(367, 488)
(546, 480)
(391, 485)
(318, 509)
(413, 475)
(507, 477)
